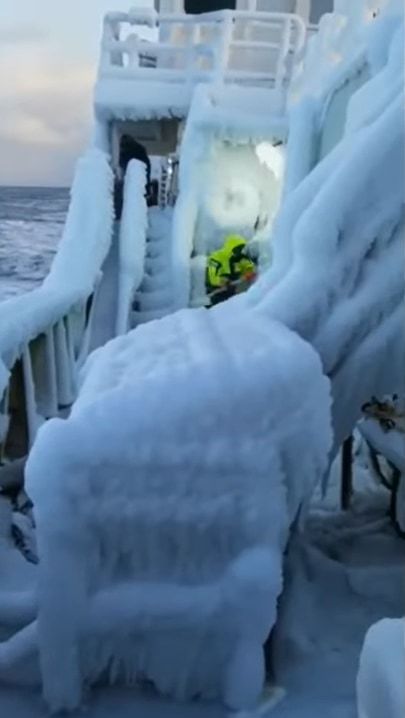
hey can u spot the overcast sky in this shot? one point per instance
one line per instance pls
(48, 59)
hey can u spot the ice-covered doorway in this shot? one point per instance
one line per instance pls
(240, 194)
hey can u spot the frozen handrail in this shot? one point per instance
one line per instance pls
(87, 231)
(48, 328)
(132, 244)
(238, 47)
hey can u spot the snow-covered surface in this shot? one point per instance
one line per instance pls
(75, 269)
(321, 631)
(380, 683)
(343, 573)
(132, 242)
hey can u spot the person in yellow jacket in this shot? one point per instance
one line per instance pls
(229, 269)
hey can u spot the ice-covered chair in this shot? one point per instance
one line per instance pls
(163, 506)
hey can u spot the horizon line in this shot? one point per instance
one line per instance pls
(34, 186)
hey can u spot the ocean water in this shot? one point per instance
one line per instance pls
(31, 224)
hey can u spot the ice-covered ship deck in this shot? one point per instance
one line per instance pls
(191, 446)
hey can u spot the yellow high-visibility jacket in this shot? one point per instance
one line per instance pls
(226, 264)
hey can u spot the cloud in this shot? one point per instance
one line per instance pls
(25, 34)
(45, 110)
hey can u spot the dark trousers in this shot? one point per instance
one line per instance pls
(119, 196)
(222, 296)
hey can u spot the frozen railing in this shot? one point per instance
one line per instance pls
(227, 47)
(44, 335)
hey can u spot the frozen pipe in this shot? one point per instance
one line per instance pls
(88, 330)
(42, 353)
(64, 369)
(222, 56)
(71, 355)
(29, 392)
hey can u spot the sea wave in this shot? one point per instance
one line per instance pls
(31, 223)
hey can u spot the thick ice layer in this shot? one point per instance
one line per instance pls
(342, 35)
(183, 463)
(338, 250)
(385, 57)
(122, 99)
(380, 682)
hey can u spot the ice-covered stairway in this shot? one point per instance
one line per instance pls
(154, 298)
(136, 277)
